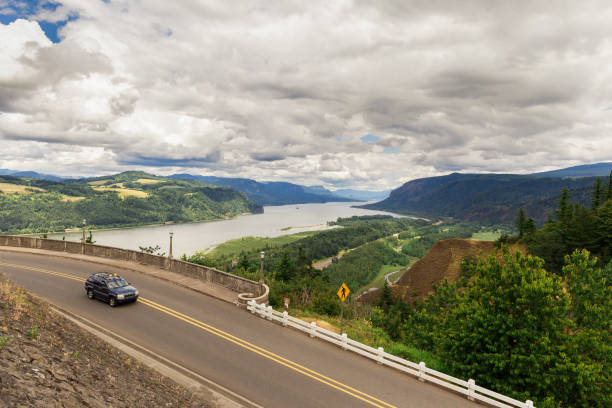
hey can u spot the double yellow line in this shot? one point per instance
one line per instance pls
(369, 399)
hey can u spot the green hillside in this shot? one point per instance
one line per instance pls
(132, 198)
(486, 198)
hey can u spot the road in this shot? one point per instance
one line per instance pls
(391, 273)
(264, 362)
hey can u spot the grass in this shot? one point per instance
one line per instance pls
(486, 235)
(10, 188)
(3, 341)
(379, 280)
(122, 191)
(66, 198)
(148, 181)
(251, 244)
(362, 331)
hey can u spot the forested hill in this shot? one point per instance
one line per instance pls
(489, 198)
(270, 193)
(132, 198)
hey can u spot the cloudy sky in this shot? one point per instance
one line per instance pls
(342, 93)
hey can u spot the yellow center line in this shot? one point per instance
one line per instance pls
(246, 344)
(235, 340)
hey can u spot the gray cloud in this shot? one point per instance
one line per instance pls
(285, 92)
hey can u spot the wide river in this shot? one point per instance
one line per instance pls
(189, 238)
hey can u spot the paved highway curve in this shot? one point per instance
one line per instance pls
(266, 363)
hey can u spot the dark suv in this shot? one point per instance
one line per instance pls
(110, 288)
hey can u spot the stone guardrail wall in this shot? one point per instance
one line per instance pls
(234, 283)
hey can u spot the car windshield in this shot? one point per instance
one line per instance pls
(117, 283)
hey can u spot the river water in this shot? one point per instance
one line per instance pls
(189, 238)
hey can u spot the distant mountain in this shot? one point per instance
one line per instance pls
(30, 174)
(365, 195)
(270, 193)
(489, 198)
(587, 170)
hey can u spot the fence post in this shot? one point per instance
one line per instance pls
(470, 390)
(285, 318)
(313, 329)
(379, 357)
(422, 371)
(344, 340)
(529, 404)
(269, 314)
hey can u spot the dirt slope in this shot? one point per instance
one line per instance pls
(442, 261)
(47, 361)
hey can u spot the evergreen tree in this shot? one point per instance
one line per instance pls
(386, 298)
(610, 186)
(564, 213)
(598, 195)
(520, 222)
(285, 269)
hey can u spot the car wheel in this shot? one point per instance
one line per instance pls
(90, 293)
(112, 302)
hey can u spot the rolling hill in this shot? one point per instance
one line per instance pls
(132, 198)
(486, 198)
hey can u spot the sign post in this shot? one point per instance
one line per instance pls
(343, 293)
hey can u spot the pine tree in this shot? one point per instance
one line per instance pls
(610, 186)
(598, 194)
(285, 269)
(520, 222)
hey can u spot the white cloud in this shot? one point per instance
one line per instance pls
(286, 92)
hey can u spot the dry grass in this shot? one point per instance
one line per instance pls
(16, 299)
(71, 198)
(97, 183)
(18, 188)
(148, 181)
(123, 192)
(322, 323)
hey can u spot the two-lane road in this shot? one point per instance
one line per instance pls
(262, 361)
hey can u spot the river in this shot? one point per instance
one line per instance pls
(192, 237)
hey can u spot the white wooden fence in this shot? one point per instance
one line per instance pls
(423, 373)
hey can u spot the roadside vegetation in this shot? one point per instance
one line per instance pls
(535, 324)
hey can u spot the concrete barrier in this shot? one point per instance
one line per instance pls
(250, 289)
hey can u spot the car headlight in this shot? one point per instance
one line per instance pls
(120, 297)
(136, 293)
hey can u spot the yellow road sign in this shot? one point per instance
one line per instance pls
(343, 292)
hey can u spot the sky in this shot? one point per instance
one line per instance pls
(345, 94)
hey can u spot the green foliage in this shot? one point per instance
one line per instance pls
(509, 327)
(575, 227)
(285, 269)
(169, 201)
(200, 258)
(518, 329)
(153, 250)
(3, 341)
(33, 332)
(484, 198)
(360, 266)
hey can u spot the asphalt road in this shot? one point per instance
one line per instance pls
(264, 362)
